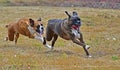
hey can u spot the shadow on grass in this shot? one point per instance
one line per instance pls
(67, 52)
(58, 52)
(97, 54)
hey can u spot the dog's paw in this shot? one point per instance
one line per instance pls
(89, 56)
(87, 47)
(6, 39)
(48, 46)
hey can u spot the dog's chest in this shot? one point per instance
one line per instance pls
(76, 33)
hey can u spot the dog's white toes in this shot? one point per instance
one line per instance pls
(89, 56)
(87, 46)
(50, 47)
(5, 39)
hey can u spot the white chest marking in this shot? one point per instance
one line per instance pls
(32, 31)
(75, 32)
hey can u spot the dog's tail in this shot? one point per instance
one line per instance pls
(6, 26)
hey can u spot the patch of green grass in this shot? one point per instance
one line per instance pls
(1, 56)
(4, 1)
(115, 58)
(64, 55)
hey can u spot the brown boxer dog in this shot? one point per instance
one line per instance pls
(27, 27)
(67, 29)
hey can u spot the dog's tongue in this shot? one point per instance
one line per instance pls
(75, 27)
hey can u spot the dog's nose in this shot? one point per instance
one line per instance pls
(42, 28)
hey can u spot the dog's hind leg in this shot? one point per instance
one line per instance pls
(54, 40)
(16, 37)
(6, 38)
(10, 35)
(49, 34)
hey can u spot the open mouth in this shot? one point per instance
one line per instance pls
(75, 31)
(76, 27)
(40, 29)
(42, 32)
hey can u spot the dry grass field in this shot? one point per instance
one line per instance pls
(100, 28)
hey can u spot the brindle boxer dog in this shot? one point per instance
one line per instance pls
(67, 29)
(27, 27)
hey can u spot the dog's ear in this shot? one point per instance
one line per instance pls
(31, 22)
(75, 13)
(68, 14)
(39, 19)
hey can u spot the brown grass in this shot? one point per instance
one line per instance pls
(99, 28)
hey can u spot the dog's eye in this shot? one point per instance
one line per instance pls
(78, 21)
(41, 24)
(38, 26)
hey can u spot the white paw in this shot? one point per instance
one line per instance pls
(5, 39)
(50, 47)
(89, 56)
(87, 47)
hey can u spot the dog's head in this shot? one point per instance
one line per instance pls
(73, 19)
(37, 25)
(74, 22)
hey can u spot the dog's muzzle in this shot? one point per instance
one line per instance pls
(40, 29)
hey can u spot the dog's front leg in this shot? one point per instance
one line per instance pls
(81, 43)
(86, 47)
(42, 39)
(39, 38)
(81, 40)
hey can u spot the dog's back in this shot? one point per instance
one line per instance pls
(19, 27)
(22, 27)
(55, 25)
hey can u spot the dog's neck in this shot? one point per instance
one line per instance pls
(64, 26)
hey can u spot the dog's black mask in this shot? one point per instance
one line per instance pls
(75, 21)
(40, 29)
